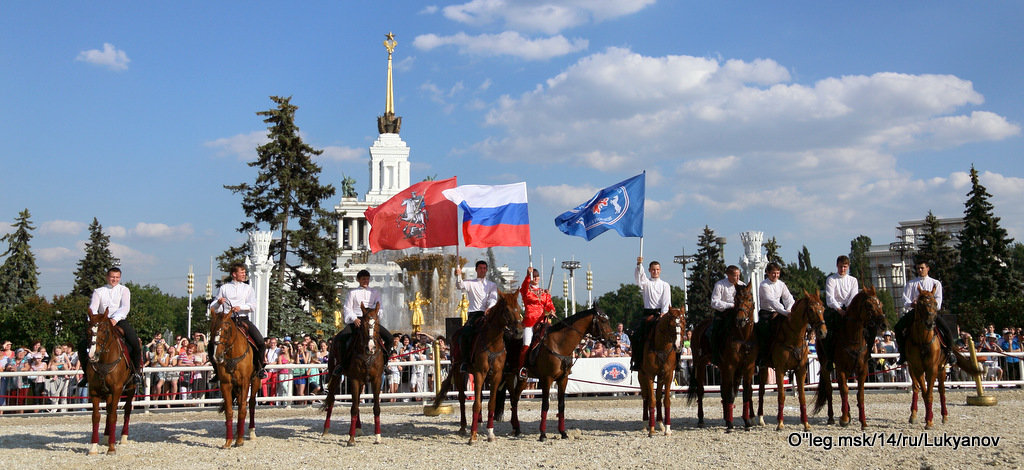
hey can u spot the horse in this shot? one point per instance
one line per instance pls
(925, 358)
(661, 356)
(487, 363)
(366, 361)
(789, 353)
(846, 351)
(235, 363)
(109, 376)
(551, 362)
(739, 356)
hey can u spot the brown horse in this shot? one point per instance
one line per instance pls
(925, 358)
(846, 351)
(486, 363)
(661, 356)
(551, 362)
(739, 355)
(365, 365)
(109, 376)
(789, 353)
(235, 363)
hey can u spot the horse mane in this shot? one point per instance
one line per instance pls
(566, 322)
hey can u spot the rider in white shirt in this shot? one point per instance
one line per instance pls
(115, 299)
(240, 298)
(657, 298)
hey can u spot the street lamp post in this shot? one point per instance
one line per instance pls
(572, 266)
(590, 288)
(902, 247)
(684, 259)
(191, 284)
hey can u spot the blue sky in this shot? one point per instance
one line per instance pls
(814, 122)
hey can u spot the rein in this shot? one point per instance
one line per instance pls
(103, 368)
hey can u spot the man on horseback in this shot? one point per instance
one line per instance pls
(775, 300)
(362, 295)
(721, 300)
(536, 306)
(116, 300)
(657, 296)
(840, 289)
(482, 295)
(910, 292)
(241, 298)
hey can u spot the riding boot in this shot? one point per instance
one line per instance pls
(900, 330)
(522, 361)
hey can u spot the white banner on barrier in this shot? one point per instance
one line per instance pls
(601, 374)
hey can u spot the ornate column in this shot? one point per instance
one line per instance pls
(753, 263)
(260, 266)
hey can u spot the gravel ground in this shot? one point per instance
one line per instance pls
(601, 432)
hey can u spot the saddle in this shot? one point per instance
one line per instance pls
(540, 330)
(245, 333)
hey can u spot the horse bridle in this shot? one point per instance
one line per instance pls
(104, 367)
(229, 362)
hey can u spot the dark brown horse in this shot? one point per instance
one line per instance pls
(789, 353)
(486, 362)
(739, 355)
(235, 363)
(846, 351)
(109, 376)
(925, 358)
(365, 365)
(551, 362)
(661, 356)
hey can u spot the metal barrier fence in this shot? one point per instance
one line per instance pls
(149, 400)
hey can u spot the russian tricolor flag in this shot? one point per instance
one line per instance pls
(492, 215)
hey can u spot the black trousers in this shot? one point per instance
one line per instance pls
(385, 336)
(642, 329)
(257, 337)
(468, 332)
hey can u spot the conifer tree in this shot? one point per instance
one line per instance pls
(936, 248)
(983, 271)
(92, 269)
(18, 274)
(708, 268)
(860, 267)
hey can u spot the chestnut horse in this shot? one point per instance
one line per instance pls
(739, 355)
(366, 361)
(235, 363)
(661, 356)
(109, 376)
(551, 362)
(789, 353)
(925, 358)
(846, 350)
(486, 363)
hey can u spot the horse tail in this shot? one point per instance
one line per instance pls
(824, 391)
(967, 365)
(333, 379)
(446, 385)
(500, 395)
(695, 388)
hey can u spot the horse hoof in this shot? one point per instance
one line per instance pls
(668, 432)
(515, 433)
(807, 427)
(227, 445)
(760, 420)
(543, 438)
(324, 433)
(94, 450)
(252, 434)
(700, 424)
(239, 443)
(377, 439)
(565, 435)
(928, 426)
(728, 430)
(844, 423)
(912, 419)
(351, 442)
(779, 427)
(945, 419)
(863, 427)
(111, 451)
(831, 421)
(124, 440)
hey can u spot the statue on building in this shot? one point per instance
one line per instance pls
(348, 187)
(417, 312)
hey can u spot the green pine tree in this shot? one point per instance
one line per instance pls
(982, 272)
(936, 247)
(92, 269)
(708, 268)
(772, 248)
(18, 275)
(288, 188)
(803, 276)
(860, 267)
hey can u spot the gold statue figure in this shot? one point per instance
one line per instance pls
(417, 312)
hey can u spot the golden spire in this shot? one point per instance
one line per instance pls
(389, 44)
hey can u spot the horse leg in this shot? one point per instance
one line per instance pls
(376, 381)
(492, 403)
(828, 377)
(844, 395)
(243, 411)
(545, 403)
(801, 376)
(748, 397)
(478, 386)
(514, 399)
(646, 386)
(927, 394)
(462, 403)
(782, 403)
(915, 385)
(356, 388)
(762, 377)
(861, 404)
(942, 394)
(667, 401)
(112, 421)
(333, 383)
(254, 388)
(127, 416)
(728, 396)
(229, 423)
(94, 449)
(699, 370)
(658, 403)
(561, 406)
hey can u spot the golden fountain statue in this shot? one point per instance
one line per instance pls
(417, 312)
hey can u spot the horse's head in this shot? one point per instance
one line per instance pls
(866, 308)
(743, 302)
(221, 330)
(926, 308)
(508, 314)
(815, 313)
(101, 330)
(677, 315)
(369, 325)
(601, 327)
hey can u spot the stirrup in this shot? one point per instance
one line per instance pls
(523, 374)
(138, 379)
(84, 382)
(262, 373)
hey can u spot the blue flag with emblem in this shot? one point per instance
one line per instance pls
(619, 207)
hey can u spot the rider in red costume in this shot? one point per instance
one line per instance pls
(536, 303)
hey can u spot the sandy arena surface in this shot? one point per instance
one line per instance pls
(602, 432)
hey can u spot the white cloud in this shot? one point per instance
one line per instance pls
(242, 146)
(61, 227)
(343, 154)
(162, 231)
(405, 64)
(110, 57)
(508, 43)
(57, 253)
(429, 10)
(117, 231)
(546, 16)
(132, 257)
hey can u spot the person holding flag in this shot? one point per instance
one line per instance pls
(657, 297)
(537, 305)
(482, 295)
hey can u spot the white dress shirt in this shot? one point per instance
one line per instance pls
(656, 292)
(910, 292)
(775, 297)
(116, 298)
(481, 293)
(840, 290)
(238, 294)
(361, 295)
(723, 294)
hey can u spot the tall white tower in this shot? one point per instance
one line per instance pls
(753, 263)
